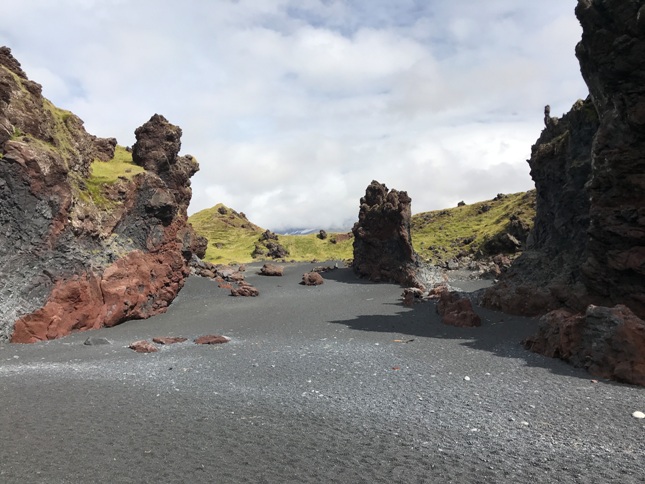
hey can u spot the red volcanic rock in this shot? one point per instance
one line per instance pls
(245, 290)
(212, 339)
(143, 346)
(271, 270)
(168, 340)
(456, 310)
(312, 279)
(411, 295)
(75, 259)
(608, 342)
(382, 242)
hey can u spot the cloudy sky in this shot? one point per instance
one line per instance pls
(292, 107)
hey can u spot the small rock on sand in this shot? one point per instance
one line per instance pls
(638, 415)
(212, 339)
(94, 341)
(143, 346)
(168, 340)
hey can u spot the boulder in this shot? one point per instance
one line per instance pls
(312, 279)
(382, 241)
(608, 342)
(143, 346)
(456, 310)
(271, 270)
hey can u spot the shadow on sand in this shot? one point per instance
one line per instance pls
(500, 334)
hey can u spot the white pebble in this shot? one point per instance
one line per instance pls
(467, 378)
(525, 423)
(638, 415)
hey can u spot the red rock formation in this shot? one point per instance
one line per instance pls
(382, 242)
(608, 342)
(74, 258)
(456, 310)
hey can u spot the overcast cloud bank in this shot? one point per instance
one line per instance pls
(292, 107)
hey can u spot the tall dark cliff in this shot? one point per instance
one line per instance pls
(75, 253)
(612, 61)
(588, 244)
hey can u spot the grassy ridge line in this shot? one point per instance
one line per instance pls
(232, 238)
(437, 236)
(441, 235)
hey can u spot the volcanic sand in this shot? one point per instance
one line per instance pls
(335, 383)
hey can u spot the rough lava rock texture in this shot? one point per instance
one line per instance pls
(588, 243)
(547, 274)
(612, 61)
(455, 309)
(608, 342)
(382, 242)
(69, 260)
(312, 279)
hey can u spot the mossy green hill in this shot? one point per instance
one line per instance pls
(437, 236)
(233, 238)
(442, 235)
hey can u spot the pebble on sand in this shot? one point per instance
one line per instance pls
(638, 415)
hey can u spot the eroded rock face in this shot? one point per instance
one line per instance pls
(608, 342)
(382, 241)
(70, 259)
(612, 61)
(547, 275)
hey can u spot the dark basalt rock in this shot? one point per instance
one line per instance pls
(69, 261)
(587, 249)
(382, 241)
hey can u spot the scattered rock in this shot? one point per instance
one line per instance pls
(143, 346)
(411, 295)
(271, 270)
(245, 290)
(322, 235)
(95, 341)
(212, 339)
(312, 279)
(456, 310)
(168, 340)
(639, 415)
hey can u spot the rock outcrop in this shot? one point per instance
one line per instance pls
(612, 61)
(608, 342)
(78, 252)
(547, 275)
(382, 241)
(588, 243)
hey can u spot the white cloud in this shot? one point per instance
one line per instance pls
(293, 107)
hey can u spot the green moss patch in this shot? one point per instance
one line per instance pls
(441, 235)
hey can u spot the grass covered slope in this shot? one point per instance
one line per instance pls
(442, 235)
(437, 236)
(233, 238)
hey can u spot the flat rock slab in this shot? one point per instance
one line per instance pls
(212, 339)
(169, 340)
(143, 346)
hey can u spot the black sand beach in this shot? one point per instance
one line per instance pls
(335, 383)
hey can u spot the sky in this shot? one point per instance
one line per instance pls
(292, 107)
